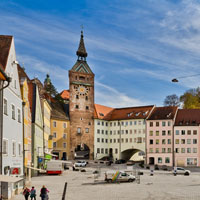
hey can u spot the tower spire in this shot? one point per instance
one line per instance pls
(81, 52)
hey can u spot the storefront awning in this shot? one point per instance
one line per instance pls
(37, 169)
(9, 179)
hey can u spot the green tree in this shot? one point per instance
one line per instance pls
(191, 99)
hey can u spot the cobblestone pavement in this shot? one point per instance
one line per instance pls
(82, 185)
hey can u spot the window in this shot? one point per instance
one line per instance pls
(102, 150)
(163, 150)
(169, 150)
(126, 140)
(139, 122)
(189, 132)
(64, 145)
(87, 130)
(64, 136)
(98, 130)
(64, 125)
(102, 123)
(126, 131)
(150, 141)
(106, 140)
(106, 151)
(183, 132)
(19, 115)
(169, 141)
(110, 132)
(5, 146)
(98, 122)
(163, 123)
(98, 150)
(122, 140)
(106, 132)
(169, 123)
(110, 123)
(157, 141)
(76, 106)
(194, 150)
(86, 98)
(163, 141)
(151, 150)
(157, 123)
(87, 107)
(131, 123)
(79, 130)
(131, 140)
(114, 140)
(163, 132)
(188, 141)
(177, 132)
(106, 123)
(157, 150)
(151, 124)
(54, 134)
(77, 97)
(98, 139)
(194, 132)
(5, 106)
(182, 150)
(177, 150)
(14, 148)
(126, 123)
(167, 160)
(135, 122)
(114, 123)
(182, 141)
(157, 133)
(192, 161)
(188, 150)
(102, 131)
(110, 140)
(13, 112)
(177, 141)
(159, 160)
(150, 133)
(169, 132)
(54, 144)
(131, 131)
(54, 124)
(102, 140)
(194, 141)
(116, 151)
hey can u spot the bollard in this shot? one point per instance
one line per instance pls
(64, 191)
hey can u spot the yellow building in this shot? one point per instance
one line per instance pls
(60, 128)
(26, 121)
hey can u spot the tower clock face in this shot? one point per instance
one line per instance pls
(82, 90)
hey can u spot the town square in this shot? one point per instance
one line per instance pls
(99, 100)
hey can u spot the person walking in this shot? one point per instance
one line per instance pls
(26, 193)
(33, 193)
(43, 193)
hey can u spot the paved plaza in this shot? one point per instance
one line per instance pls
(82, 185)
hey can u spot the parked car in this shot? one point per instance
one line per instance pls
(80, 163)
(180, 170)
(120, 161)
(119, 176)
(130, 162)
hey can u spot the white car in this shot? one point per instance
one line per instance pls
(180, 170)
(80, 163)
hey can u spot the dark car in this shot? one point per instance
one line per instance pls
(120, 161)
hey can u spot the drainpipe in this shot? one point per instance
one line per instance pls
(23, 105)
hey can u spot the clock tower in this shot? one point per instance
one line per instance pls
(81, 106)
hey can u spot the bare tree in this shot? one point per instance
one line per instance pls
(172, 100)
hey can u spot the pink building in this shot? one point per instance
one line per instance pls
(159, 138)
(187, 137)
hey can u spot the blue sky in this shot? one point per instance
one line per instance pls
(134, 47)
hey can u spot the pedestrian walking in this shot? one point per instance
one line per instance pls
(26, 193)
(43, 193)
(33, 193)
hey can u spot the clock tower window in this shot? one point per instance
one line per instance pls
(86, 98)
(77, 107)
(77, 97)
(87, 107)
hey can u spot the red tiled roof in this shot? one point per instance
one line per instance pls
(5, 43)
(188, 117)
(160, 113)
(107, 113)
(65, 94)
(101, 111)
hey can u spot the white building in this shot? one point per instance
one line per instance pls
(121, 132)
(12, 159)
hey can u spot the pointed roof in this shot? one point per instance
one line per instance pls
(5, 44)
(81, 52)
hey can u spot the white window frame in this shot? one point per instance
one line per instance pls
(5, 152)
(13, 111)
(5, 109)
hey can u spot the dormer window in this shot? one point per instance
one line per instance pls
(137, 114)
(145, 113)
(101, 114)
(169, 115)
(129, 114)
